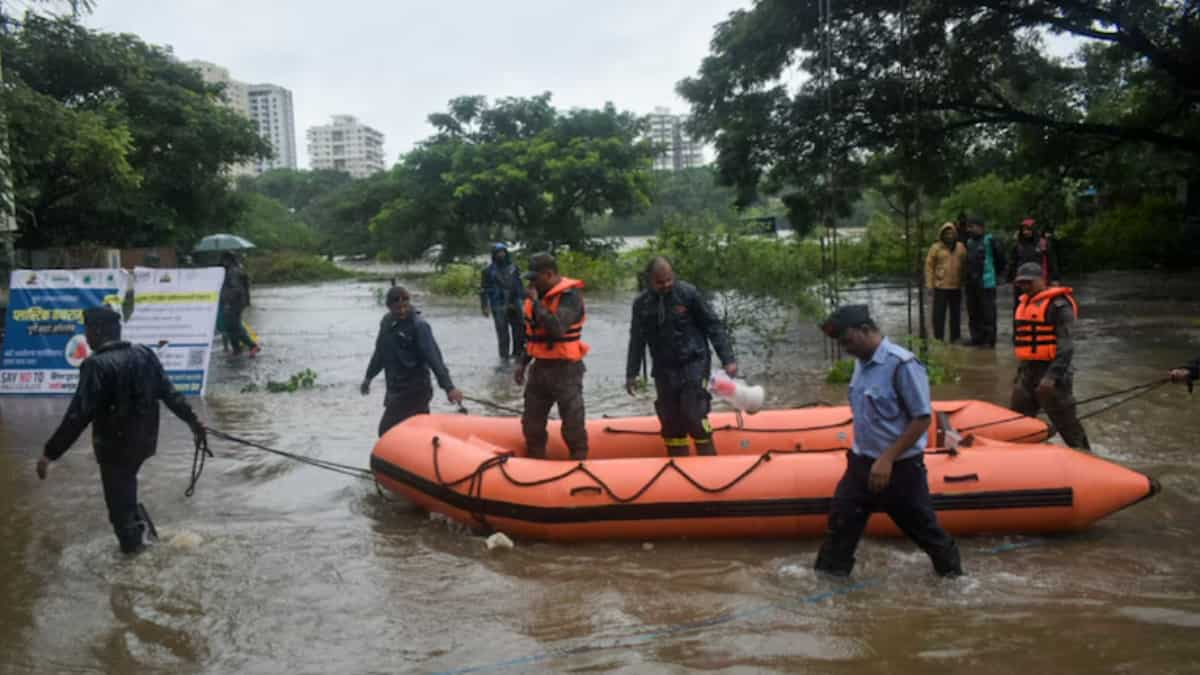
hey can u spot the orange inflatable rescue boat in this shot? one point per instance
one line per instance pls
(773, 478)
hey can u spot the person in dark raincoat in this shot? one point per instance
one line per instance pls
(677, 323)
(119, 388)
(500, 296)
(406, 351)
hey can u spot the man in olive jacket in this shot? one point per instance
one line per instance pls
(677, 323)
(120, 386)
(944, 267)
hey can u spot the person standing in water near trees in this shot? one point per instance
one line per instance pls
(944, 267)
(677, 323)
(119, 388)
(1043, 343)
(500, 296)
(406, 350)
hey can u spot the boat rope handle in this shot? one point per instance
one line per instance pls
(733, 427)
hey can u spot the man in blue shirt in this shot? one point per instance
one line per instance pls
(885, 469)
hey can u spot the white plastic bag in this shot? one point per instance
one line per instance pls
(736, 393)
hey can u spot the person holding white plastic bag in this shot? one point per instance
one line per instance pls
(677, 323)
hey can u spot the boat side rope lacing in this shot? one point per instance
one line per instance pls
(474, 478)
(734, 427)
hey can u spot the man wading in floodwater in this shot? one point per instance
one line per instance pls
(120, 386)
(885, 470)
(406, 351)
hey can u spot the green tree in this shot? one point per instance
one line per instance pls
(936, 87)
(516, 169)
(114, 141)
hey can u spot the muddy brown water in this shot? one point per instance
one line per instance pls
(275, 567)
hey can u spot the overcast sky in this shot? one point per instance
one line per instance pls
(391, 63)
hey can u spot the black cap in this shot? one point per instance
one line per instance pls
(102, 316)
(846, 316)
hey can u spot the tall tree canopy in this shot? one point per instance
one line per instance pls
(924, 85)
(517, 168)
(113, 140)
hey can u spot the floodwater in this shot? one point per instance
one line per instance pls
(276, 567)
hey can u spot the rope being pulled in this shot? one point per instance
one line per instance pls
(1141, 389)
(344, 469)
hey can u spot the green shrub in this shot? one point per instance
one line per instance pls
(606, 271)
(934, 355)
(456, 279)
(841, 372)
(289, 268)
(1141, 235)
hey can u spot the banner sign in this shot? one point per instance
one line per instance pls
(174, 312)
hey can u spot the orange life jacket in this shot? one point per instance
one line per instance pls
(539, 344)
(1033, 335)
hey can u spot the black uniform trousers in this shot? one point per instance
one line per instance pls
(509, 332)
(128, 518)
(906, 499)
(401, 405)
(555, 381)
(682, 405)
(981, 314)
(947, 299)
(1059, 404)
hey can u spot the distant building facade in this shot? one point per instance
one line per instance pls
(677, 150)
(345, 144)
(271, 109)
(269, 106)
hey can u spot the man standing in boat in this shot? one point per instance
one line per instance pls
(677, 323)
(554, 317)
(1042, 342)
(885, 468)
(406, 350)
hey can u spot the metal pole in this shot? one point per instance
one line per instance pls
(8, 214)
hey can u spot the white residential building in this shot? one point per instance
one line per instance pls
(345, 144)
(677, 150)
(269, 106)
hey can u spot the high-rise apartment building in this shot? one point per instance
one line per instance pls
(346, 145)
(677, 150)
(271, 109)
(269, 106)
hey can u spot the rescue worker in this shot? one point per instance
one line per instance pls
(119, 388)
(1033, 246)
(885, 468)
(554, 317)
(500, 296)
(1043, 344)
(985, 262)
(944, 267)
(677, 323)
(406, 350)
(233, 300)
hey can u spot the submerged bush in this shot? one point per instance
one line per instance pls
(291, 268)
(456, 279)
